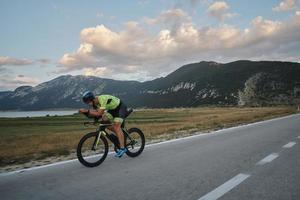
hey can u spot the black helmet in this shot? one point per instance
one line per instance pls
(87, 96)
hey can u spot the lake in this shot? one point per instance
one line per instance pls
(43, 113)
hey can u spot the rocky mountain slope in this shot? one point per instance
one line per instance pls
(203, 83)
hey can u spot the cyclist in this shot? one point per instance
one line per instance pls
(110, 108)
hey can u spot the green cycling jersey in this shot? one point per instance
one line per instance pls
(108, 102)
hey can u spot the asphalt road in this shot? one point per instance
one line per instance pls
(257, 161)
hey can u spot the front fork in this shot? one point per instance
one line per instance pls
(97, 139)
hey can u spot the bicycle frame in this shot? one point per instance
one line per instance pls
(101, 130)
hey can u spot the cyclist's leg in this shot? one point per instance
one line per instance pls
(118, 130)
(118, 120)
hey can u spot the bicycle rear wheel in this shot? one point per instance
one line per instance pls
(90, 152)
(136, 143)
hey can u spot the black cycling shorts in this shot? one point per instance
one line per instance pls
(119, 113)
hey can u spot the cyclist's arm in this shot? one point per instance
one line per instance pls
(96, 113)
(100, 108)
(92, 113)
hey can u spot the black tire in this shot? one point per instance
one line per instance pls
(134, 152)
(81, 151)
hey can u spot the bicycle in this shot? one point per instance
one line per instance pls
(93, 147)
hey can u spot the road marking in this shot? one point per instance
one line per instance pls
(289, 145)
(267, 159)
(197, 134)
(298, 137)
(225, 187)
(48, 165)
(216, 132)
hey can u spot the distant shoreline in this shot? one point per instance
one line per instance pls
(36, 113)
(48, 109)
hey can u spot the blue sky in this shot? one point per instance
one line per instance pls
(140, 39)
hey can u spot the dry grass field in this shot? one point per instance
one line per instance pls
(26, 139)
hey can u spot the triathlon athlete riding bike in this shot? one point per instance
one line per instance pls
(108, 112)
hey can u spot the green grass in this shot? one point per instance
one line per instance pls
(25, 139)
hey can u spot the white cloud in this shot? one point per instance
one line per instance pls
(8, 61)
(218, 6)
(128, 72)
(99, 71)
(134, 50)
(9, 82)
(285, 5)
(25, 80)
(219, 10)
(172, 16)
(44, 61)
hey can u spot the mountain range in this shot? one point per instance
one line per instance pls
(241, 82)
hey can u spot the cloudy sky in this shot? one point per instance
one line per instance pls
(139, 40)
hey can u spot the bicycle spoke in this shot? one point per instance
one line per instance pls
(90, 152)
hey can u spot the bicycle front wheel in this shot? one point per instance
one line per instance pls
(91, 152)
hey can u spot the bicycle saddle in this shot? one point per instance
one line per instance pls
(128, 112)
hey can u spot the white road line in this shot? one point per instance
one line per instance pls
(201, 134)
(298, 137)
(267, 159)
(47, 165)
(289, 145)
(197, 134)
(225, 187)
